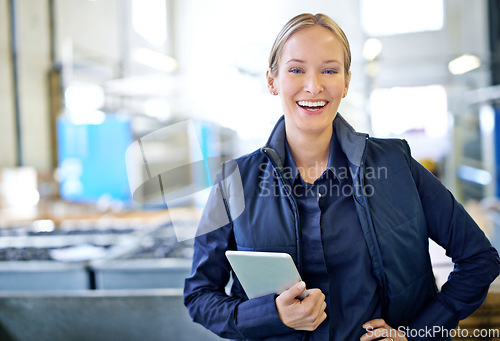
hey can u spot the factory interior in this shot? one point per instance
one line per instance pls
(99, 98)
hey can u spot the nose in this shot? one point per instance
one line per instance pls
(313, 84)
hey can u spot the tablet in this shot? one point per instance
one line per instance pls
(263, 273)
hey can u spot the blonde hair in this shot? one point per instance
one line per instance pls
(300, 22)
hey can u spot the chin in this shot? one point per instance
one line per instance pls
(316, 127)
(311, 122)
(317, 120)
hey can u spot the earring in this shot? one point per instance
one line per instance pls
(273, 93)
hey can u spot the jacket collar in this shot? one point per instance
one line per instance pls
(352, 142)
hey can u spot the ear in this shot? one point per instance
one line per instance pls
(346, 84)
(271, 84)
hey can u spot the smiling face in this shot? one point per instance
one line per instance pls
(310, 80)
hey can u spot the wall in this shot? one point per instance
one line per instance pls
(88, 37)
(414, 59)
(94, 39)
(7, 123)
(222, 47)
(34, 62)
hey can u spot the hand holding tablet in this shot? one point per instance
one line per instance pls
(306, 314)
(263, 273)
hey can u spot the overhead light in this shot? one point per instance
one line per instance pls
(463, 64)
(155, 59)
(390, 17)
(82, 103)
(372, 49)
(149, 20)
(84, 97)
(472, 174)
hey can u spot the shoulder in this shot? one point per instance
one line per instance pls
(389, 144)
(250, 160)
(256, 154)
(247, 164)
(388, 150)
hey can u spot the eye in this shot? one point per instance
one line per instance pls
(295, 70)
(330, 71)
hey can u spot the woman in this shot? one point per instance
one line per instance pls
(354, 212)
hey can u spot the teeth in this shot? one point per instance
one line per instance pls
(312, 104)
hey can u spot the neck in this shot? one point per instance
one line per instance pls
(310, 151)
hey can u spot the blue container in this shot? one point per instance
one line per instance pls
(497, 150)
(92, 159)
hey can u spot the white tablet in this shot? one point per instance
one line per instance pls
(263, 273)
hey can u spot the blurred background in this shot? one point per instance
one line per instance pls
(84, 83)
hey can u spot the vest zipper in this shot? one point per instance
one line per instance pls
(379, 272)
(295, 209)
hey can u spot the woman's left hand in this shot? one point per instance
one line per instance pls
(379, 330)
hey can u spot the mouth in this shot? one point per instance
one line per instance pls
(312, 106)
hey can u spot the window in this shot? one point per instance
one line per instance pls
(149, 19)
(389, 17)
(398, 111)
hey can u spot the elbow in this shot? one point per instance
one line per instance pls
(491, 265)
(483, 268)
(496, 261)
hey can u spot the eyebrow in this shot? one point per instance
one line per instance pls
(301, 61)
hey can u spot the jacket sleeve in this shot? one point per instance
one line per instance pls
(204, 290)
(476, 261)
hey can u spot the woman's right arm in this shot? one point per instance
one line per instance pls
(208, 303)
(204, 290)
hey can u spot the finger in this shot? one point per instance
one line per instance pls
(316, 301)
(320, 318)
(370, 335)
(289, 296)
(321, 308)
(376, 323)
(376, 334)
(316, 294)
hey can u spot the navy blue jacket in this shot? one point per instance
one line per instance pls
(400, 206)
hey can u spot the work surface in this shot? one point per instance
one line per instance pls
(126, 315)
